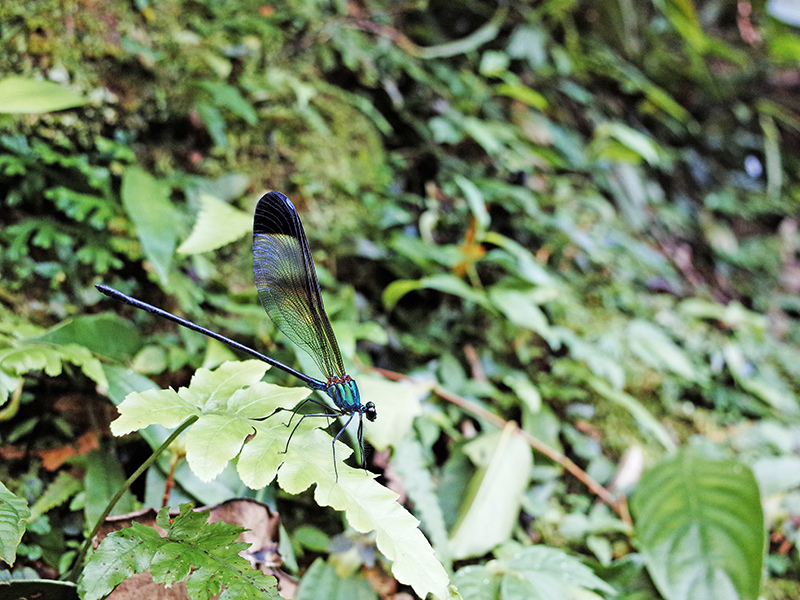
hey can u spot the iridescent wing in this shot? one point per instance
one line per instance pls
(287, 284)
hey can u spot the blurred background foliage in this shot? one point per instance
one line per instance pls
(579, 216)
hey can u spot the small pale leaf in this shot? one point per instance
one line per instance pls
(218, 223)
(22, 95)
(493, 497)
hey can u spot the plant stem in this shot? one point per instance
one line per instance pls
(72, 574)
(617, 503)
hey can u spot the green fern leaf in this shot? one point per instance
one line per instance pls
(206, 553)
(368, 505)
(230, 403)
(61, 489)
(34, 355)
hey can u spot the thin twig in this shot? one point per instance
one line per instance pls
(72, 574)
(618, 504)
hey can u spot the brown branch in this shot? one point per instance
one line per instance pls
(617, 503)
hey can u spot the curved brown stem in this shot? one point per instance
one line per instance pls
(617, 503)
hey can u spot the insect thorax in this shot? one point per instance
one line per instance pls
(344, 393)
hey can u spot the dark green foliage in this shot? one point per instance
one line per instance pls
(578, 216)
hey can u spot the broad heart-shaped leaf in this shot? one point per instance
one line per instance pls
(494, 496)
(13, 513)
(218, 223)
(22, 95)
(700, 527)
(146, 200)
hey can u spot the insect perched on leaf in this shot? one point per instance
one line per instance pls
(287, 285)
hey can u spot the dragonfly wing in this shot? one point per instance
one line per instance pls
(287, 282)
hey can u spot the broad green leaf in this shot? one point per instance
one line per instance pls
(22, 95)
(218, 223)
(262, 456)
(14, 513)
(520, 307)
(491, 506)
(216, 387)
(123, 382)
(700, 528)
(449, 284)
(477, 582)
(533, 573)
(321, 581)
(262, 399)
(221, 392)
(367, 505)
(552, 573)
(104, 476)
(106, 334)
(146, 200)
(222, 430)
(398, 403)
